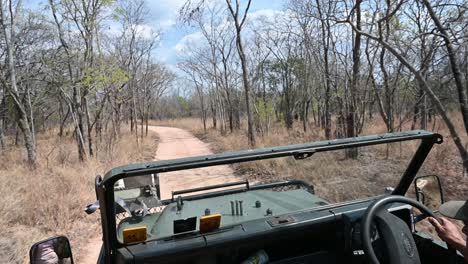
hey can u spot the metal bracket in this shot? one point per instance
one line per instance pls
(303, 154)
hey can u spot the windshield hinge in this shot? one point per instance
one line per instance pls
(303, 154)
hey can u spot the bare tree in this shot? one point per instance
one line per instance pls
(2, 118)
(285, 66)
(424, 84)
(351, 124)
(8, 27)
(454, 64)
(85, 17)
(326, 39)
(239, 20)
(155, 81)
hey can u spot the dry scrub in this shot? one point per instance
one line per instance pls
(49, 200)
(351, 178)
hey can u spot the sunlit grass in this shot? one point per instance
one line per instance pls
(49, 200)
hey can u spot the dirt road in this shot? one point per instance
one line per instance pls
(176, 143)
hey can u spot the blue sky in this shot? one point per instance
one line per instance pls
(163, 16)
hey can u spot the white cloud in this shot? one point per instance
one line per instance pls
(176, 43)
(195, 39)
(268, 14)
(145, 31)
(163, 13)
(189, 42)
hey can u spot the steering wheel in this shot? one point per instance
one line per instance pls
(398, 239)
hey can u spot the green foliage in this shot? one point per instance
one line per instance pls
(184, 104)
(118, 13)
(340, 92)
(104, 76)
(265, 109)
(107, 2)
(396, 23)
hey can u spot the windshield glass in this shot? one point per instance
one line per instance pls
(167, 204)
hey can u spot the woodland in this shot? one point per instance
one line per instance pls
(328, 64)
(81, 82)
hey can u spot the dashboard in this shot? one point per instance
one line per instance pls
(325, 234)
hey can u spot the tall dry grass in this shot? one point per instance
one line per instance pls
(49, 200)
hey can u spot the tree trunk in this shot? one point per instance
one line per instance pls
(213, 113)
(63, 120)
(30, 116)
(200, 93)
(325, 28)
(131, 120)
(204, 116)
(81, 139)
(2, 123)
(134, 112)
(118, 111)
(351, 116)
(305, 114)
(147, 119)
(28, 140)
(89, 127)
(17, 137)
(245, 73)
(423, 109)
(250, 128)
(142, 128)
(2, 141)
(388, 106)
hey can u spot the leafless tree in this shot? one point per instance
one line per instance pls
(441, 109)
(239, 20)
(9, 15)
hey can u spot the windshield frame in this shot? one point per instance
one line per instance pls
(105, 186)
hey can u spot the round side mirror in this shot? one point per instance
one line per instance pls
(52, 250)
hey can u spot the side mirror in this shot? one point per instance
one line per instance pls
(428, 190)
(52, 250)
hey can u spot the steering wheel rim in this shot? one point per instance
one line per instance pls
(369, 216)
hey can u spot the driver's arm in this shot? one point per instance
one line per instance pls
(449, 233)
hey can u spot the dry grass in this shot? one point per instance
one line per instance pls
(352, 178)
(49, 200)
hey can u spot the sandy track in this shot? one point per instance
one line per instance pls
(175, 143)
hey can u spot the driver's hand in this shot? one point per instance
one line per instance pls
(448, 232)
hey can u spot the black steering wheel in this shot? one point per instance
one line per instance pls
(398, 239)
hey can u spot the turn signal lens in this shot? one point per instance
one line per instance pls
(135, 234)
